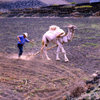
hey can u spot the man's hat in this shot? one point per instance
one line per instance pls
(26, 34)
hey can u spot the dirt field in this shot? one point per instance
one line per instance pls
(34, 78)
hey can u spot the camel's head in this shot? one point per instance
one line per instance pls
(72, 26)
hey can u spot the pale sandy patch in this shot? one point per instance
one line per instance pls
(23, 57)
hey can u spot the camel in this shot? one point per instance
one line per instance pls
(57, 36)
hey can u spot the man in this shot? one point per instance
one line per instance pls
(21, 41)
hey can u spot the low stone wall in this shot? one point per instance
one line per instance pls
(60, 11)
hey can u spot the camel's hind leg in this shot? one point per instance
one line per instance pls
(45, 52)
(44, 49)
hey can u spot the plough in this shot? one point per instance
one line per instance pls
(40, 51)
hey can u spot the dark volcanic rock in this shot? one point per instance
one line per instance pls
(21, 4)
(76, 14)
(93, 89)
(97, 13)
(29, 9)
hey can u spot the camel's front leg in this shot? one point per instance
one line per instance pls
(57, 53)
(63, 51)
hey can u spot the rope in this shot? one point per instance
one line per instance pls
(47, 49)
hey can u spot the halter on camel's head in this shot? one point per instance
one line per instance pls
(72, 26)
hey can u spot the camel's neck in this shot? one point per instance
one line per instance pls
(70, 34)
(70, 31)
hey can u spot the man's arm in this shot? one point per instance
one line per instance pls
(18, 39)
(31, 41)
(27, 40)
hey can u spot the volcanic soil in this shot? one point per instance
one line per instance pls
(35, 78)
